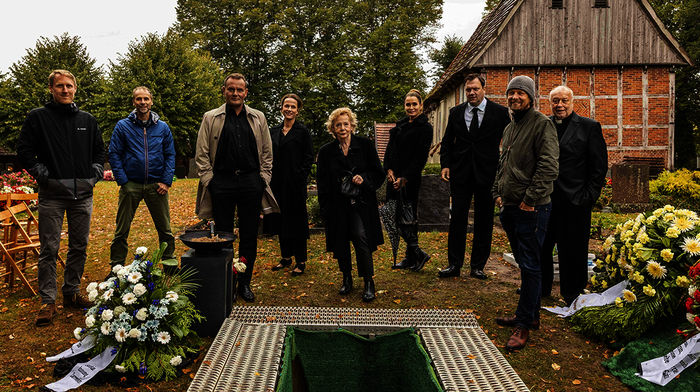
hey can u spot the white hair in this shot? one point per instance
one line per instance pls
(562, 88)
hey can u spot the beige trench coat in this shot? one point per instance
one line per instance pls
(205, 154)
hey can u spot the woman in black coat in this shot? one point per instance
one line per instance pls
(404, 160)
(350, 161)
(292, 159)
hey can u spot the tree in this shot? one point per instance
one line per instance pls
(680, 17)
(490, 5)
(443, 56)
(185, 83)
(28, 82)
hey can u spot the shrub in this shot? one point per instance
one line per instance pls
(431, 168)
(605, 195)
(314, 210)
(680, 188)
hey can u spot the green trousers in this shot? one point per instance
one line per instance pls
(130, 196)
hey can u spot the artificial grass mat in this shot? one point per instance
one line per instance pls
(625, 364)
(343, 361)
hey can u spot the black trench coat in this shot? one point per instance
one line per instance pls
(292, 159)
(362, 159)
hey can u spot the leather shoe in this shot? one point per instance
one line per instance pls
(479, 274)
(76, 301)
(451, 270)
(518, 339)
(403, 264)
(283, 263)
(368, 294)
(245, 293)
(346, 287)
(510, 322)
(46, 314)
(421, 260)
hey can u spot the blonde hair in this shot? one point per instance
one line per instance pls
(414, 93)
(61, 72)
(337, 113)
(144, 88)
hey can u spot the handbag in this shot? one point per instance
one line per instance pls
(349, 188)
(404, 210)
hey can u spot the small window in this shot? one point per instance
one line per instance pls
(557, 3)
(600, 4)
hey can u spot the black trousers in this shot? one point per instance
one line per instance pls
(569, 228)
(244, 193)
(358, 236)
(409, 233)
(291, 246)
(483, 225)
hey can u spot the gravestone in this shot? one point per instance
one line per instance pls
(630, 185)
(192, 170)
(433, 204)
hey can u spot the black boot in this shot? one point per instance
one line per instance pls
(406, 263)
(421, 259)
(368, 293)
(244, 290)
(346, 287)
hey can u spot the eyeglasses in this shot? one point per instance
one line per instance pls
(562, 100)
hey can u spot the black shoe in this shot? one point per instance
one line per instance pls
(451, 270)
(518, 291)
(282, 264)
(479, 274)
(299, 268)
(368, 294)
(245, 292)
(346, 287)
(404, 264)
(422, 258)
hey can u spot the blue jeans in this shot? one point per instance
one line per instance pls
(526, 231)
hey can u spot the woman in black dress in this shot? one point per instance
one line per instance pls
(349, 173)
(404, 160)
(292, 160)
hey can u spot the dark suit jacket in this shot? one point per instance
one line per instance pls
(583, 161)
(473, 157)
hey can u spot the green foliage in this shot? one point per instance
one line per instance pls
(314, 210)
(185, 83)
(605, 197)
(443, 56)
(27, 86)
(490, 5)
(680, 188)
(431, 169)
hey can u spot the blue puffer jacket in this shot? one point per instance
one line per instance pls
(143, 153)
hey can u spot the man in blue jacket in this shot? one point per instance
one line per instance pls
(142, 156)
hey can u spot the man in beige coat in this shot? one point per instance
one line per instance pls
(234, 161)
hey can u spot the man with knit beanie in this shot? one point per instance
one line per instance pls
(528, 166)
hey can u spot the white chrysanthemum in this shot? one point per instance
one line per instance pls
(139, 289)
(107, 295)
(691, 246)
(240, 267)
(105, 329)
(119, 310)
(122, 273)
(92, 295)
(107, 315)
(91, 287)
(76, 332)
(142, 314)
(691, 290)
(103, 285)
(656, 270)
(134, 277)
(120, 368)
(629, 296)
(690, 317)
(163, 337)
(90, 321)
(171, 296)
(140, 251)
(117, 268)
(120, 335)
(176, 360)
(129, 298)
(134, 333)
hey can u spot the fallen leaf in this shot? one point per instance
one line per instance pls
(555, 366)
(471, 356)
(186, 370)
(397, 301)
(12, 336)
(576, 382)
(555, 352)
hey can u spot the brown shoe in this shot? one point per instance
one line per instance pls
(76, 301)
(518, 339)
(45, 315)
(510, 322)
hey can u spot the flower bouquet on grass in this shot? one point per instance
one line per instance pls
(145, 315)
(692, 302)
(653, 253)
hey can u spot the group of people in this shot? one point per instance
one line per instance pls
(544, 174)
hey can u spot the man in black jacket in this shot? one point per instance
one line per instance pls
(469, 158)
(583, 163)
(63, 149)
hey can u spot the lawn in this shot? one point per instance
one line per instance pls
(556, 359)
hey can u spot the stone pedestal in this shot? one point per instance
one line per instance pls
(630, 184)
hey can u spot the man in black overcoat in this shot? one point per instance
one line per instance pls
(583, 163)
(469, 158)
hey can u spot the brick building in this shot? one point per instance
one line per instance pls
(615, 55)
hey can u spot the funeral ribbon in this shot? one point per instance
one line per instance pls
(586, 300)
(81, 372)
(663, 369)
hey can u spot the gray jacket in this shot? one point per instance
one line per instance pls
(529, 161)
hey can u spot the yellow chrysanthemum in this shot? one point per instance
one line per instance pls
(649, 291)
(673, 232)
(668, 217)
(669, 208)
(637, 277)
(604, 284)
(691, 246)
(657, 212)
(651, 219)
(608, 243)
(593, 280)
(667, 255)
(656, 270)
(683, 224)
(619, 303)
(629, 296)
(682, 281)
(642, 237)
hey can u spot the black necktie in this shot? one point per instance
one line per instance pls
(474, 125)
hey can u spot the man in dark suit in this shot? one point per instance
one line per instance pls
(469, 158)
(583, 163)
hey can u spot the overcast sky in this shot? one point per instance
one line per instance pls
(107, 27)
